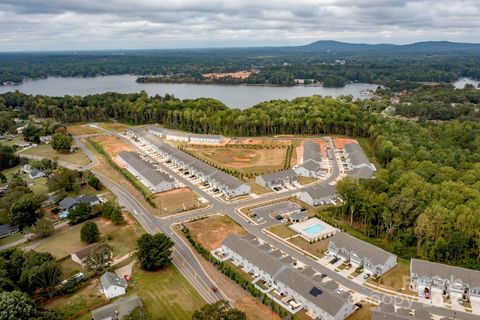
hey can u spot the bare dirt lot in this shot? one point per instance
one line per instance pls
(113, 146)
(341, 142)
(245, 160)
(210, 232)
(177, 200)
(81, 129)
(244, 74)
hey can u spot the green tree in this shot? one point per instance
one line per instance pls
(25, 211)
(17, 305)
(62, 142)
(219, 310)
(79, 213)
(89, 232)
(154, 252)
(117, 217)
(94, 182)
(43, 228)
(31, 133)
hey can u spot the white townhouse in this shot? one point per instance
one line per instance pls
(361, 254)
(276, 179)
(312, 164)
(206, 138)
(442, 277)
(357, 162)
(318, 194)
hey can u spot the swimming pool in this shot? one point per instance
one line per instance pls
(314, 229)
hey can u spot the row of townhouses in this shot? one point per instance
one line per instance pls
(280, 273)
(442, 278)
(277, 179)
(312, 164)
(361, 254)
(153, 179)
(388, 312)
(176, 135)
(225, 183)
(356, 162)
(318, 194)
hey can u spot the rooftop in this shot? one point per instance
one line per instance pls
(117, 310)
(444, 271)
(311, 151)
(280, 175)
(109, 279)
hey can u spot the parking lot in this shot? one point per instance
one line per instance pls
(277, 211)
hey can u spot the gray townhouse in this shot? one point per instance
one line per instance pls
(357, 162)
(361, 254)
(455, 281)
(225, 183)
(277, 179)
(279, 272)
(387, 312)
(318, 194)
(312, 164)
(206, 138)
(155, 180)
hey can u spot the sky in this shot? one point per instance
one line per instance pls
(39, 25)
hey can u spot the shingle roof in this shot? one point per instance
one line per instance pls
(444, 271)
(280, 175)
(311, 151)
(145, 168)
(69, 202)
(361, 173)
(118, 309)
(85, 252)
(355, 154)
(320, 191)
(109, 279)
(281, 270)
(362, 249)
(311, 165)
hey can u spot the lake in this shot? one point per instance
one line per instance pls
(234, 96)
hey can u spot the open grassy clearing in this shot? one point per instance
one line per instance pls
(79, 304)
(256, 161)
(211, 231)
(282, 230)
(166, 294)
(397, 279)
(114, 126)
(12, 141)
(82, 129)
(177, 200)
(45, 151)
(11, 238)
(66, 240)
(316, 248)
(38, 185)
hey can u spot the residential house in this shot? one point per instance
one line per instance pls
(318, 194)
(277, 179)
(176, 135)
(153, 179)
(81, 255)
(112, 286)
(356, 161)
(70, 202)
(206, 138)
(387, 312)
(119, 309)
(33, 173)
(277, 270)
(312, 164)
(361, 254)
(444, 279)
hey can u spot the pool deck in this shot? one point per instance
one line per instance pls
(324, 229)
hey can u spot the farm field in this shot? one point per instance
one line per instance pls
(254, 161)
(45, 151)
(211, 231)
(82, 129)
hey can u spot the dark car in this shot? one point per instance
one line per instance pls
(334, 260)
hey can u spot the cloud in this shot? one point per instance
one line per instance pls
(109, 24)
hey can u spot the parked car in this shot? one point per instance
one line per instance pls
(366, 276)
(460, 302)
(334, 260)
(323, 275)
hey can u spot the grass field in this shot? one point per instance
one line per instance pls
(81, 129)
(177, 200)
(316, 248)
(11, 238)
(45, 151)
(114, 126)
(67, 240)
(211, 231)
(38, 186)
(256, 161)
(166, 294)
(398, 278)
(282, 230)
(79, 304)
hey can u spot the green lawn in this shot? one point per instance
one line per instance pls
(166, 294)
(11, 238)
(45, 150)
(67, 240)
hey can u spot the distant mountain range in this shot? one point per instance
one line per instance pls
(426, 46)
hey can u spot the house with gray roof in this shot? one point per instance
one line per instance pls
(388, 312)
(277, 179)
(279, 271)
(69, 202)
(112, 286)
(312, 164)
(81, 255)
(356, 162)
(228, 185)
(153, 179)
(318, 194)
(119, 309)
(362, 254)
(442, 277)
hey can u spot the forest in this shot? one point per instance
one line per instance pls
(273, 66)
(426, 194)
